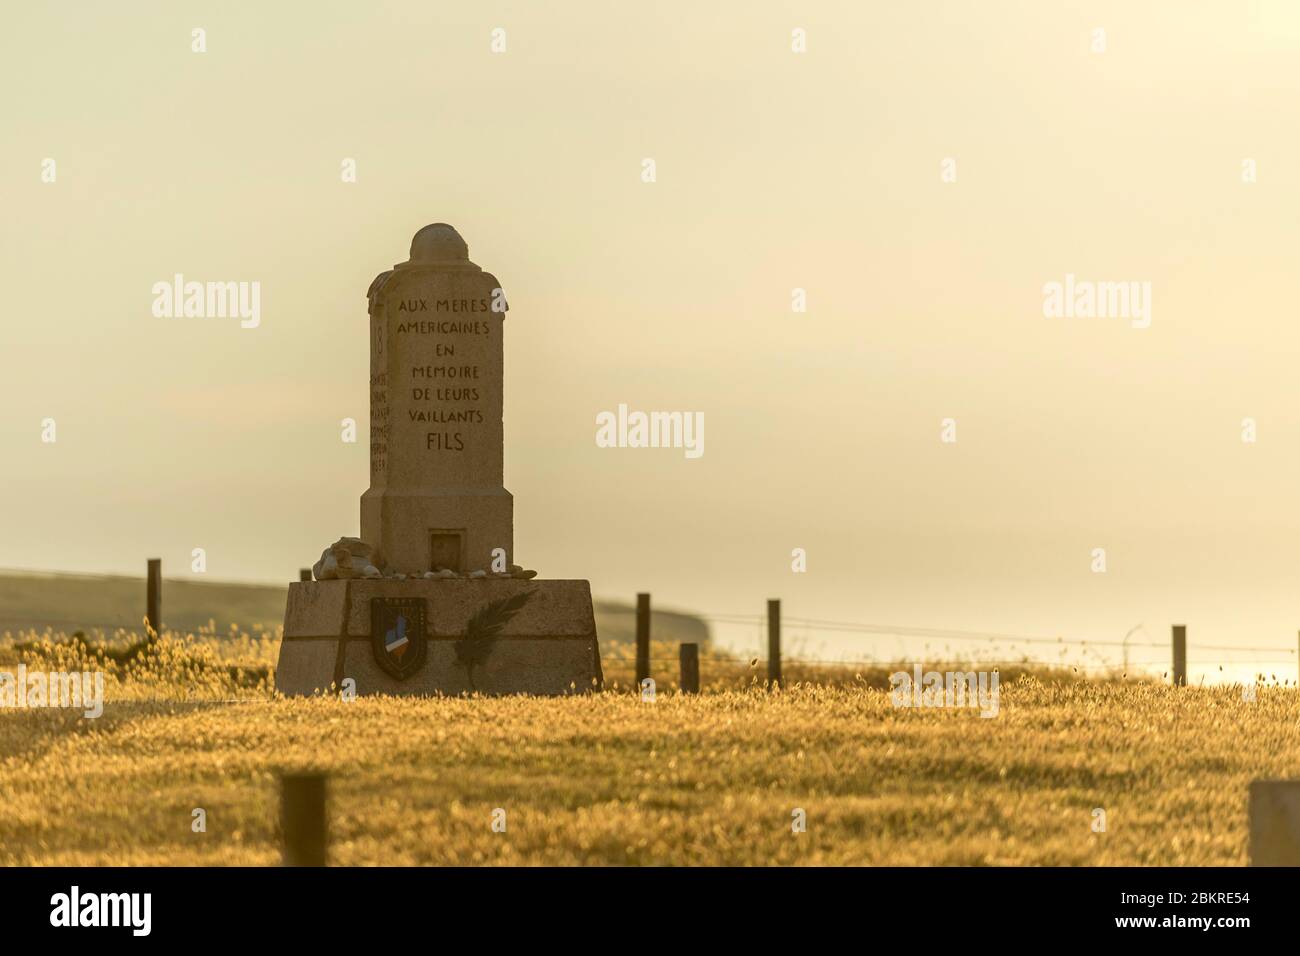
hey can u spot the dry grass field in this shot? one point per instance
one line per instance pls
(609, 779)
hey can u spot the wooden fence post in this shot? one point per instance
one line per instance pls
(304, 574)
(690, 657)
(774, 642)
(1180, 655)
(303, 820)
(1275, 823)
(642, 638)
(153, 596)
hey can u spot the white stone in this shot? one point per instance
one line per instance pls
(344, 559)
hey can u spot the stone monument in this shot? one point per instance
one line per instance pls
(428, 599)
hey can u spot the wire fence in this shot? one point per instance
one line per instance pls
(1236, 656)
(1002, 649)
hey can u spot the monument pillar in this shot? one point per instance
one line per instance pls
(436, 498)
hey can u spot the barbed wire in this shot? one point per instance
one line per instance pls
(948, 634)
(760, 665)
(48, 621)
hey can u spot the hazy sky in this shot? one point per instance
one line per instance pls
(776, 171)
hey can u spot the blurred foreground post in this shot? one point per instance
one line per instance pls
(1275, 823)
(304, 574)
(690, 656)
(642, 638)
(302, 810)
(774, 642)
(153, 596)
(1180, 655)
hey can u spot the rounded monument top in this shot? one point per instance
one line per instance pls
(438, 242)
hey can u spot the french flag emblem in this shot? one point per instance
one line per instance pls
(395, 641)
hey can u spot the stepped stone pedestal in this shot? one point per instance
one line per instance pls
(548, 647)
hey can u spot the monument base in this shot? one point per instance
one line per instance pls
(457, 636)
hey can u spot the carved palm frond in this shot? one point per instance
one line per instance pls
(485, 625)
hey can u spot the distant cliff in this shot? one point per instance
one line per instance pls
(71, 602)
(616, 624)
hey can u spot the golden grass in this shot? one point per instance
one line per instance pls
(709, 779)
